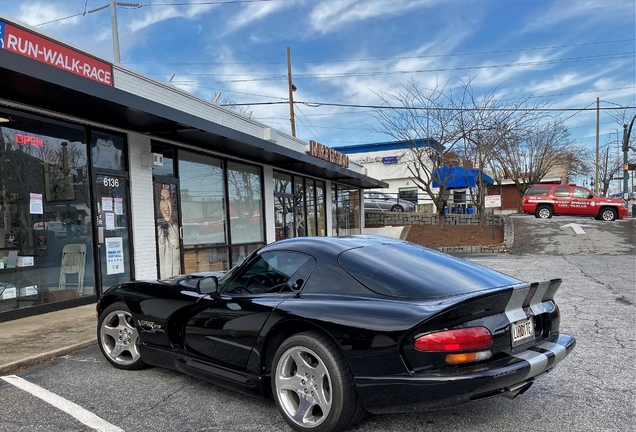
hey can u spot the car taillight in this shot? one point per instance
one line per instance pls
(471, 338)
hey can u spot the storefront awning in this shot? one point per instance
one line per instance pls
(459, 177)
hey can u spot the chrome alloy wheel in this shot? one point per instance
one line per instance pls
(304, 386)
(544, 213)
(120, 338)
(608, 214)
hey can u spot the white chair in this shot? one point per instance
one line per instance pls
(73, 262)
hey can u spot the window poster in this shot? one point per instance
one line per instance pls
(36, 204)
(110, 221)
(119, 206)
(114, 255)
(107, 204)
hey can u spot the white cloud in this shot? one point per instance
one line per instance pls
(329, 16)
(583, 12)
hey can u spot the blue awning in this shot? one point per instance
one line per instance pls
(459, 177)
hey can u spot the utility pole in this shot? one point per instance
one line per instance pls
(598, 137)
(292, 87)
(113, 21)
(627, 131)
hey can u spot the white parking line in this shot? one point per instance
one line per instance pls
(72, 409)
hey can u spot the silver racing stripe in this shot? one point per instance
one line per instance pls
(536, 303)
(538, 362)
(559, 351)
(514, 308)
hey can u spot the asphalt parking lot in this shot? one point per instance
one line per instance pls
(591, 390)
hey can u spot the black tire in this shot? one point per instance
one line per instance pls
(331, 402)
(544, 212)
(607, 214)
(397, 208)
(118, 338)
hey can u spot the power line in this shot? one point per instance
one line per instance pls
(319, 104)
(138, 6)
(392, 58)
(383, 73)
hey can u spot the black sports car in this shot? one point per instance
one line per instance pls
(335, 327)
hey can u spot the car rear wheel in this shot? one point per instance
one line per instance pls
(543, 212)
(118, 338)
(607, 214)
(312, 385)
(397, 208)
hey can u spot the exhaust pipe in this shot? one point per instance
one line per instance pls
(517, 389)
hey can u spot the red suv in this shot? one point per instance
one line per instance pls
(546, 200)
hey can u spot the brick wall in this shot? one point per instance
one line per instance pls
(399, 218)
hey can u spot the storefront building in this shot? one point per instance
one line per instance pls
(107, 175)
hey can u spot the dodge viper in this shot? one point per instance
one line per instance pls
(333, 328)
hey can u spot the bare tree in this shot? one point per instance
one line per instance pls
(610, 166)
(486, 123)
(528, 155)
(428, 121)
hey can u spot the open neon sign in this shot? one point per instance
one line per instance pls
(29, 140)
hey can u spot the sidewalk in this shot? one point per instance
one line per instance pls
(28, 341)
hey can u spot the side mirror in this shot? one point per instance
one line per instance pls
(590, 196)
(208, 285)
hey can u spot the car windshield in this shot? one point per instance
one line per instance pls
(411, 271)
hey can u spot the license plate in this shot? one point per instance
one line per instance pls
(522, 332)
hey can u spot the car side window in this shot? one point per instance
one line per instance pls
(580, 193)
(270, 272)
(562, 192)
(538, 190)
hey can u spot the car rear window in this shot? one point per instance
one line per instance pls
(538, 190)
(407, 270)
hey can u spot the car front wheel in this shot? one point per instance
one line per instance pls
(607, 214)
(312, 385)
(118, 338)
(397, 208)
(543, 212)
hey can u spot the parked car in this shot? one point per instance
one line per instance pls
(375, 201)
(334, 327)
(546, 200)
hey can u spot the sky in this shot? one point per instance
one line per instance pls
(346, 52)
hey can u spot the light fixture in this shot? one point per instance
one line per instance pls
(5, 119)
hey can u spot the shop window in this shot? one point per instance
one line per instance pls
(246, 207)
(310, 194)
(202, 199)
(321, 209)
(167, 169)
(46, 244)
(107, 151)
(204, 260)
(345, 210)
(300, 220)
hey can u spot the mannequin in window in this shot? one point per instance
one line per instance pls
(167, 235)
(106, 155)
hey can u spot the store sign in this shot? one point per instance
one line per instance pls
(45, 51)
(29, 140)
(390, 160)
(378, 159)
(323, 152)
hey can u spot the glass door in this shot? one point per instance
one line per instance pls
(169, 233)
(113, 236)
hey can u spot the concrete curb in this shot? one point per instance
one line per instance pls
(32, 361)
